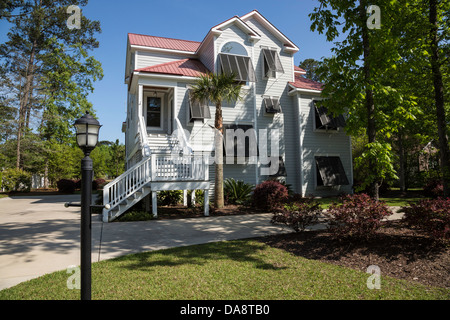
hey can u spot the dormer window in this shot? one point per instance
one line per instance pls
(233, 59)
(272, 63)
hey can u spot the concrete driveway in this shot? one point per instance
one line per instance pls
(38, 235)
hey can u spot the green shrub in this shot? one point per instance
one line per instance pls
(170, 197)
(199, 197)
(298, 214)
(134, 215)
(237, 191)
(16, 180)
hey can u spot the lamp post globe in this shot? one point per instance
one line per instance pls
(87, 128)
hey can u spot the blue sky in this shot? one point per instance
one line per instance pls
(181, 19)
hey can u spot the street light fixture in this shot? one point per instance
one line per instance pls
(87, 129)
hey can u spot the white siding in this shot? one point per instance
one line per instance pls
(321, 143)
(285, 121)
(147, 59)
(206, 54)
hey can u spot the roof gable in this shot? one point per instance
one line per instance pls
(218, 29)
(288, 44)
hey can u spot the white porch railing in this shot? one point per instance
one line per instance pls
(155, 168)
(181, 168)
(143, 137)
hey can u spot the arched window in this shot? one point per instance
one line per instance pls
(234, 48)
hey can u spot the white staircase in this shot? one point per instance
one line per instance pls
(162, 143)
(155, 173)
(168, 164)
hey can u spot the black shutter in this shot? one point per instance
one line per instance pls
(325, 121)
(331, 171)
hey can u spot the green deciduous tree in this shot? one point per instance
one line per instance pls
(381, 77)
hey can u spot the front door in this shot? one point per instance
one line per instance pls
(154, 111)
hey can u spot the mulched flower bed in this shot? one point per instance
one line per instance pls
(180, 212)
(398, 251)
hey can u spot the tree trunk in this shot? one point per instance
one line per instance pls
(401, 154)
(370, 106)
(218, 182)
(46, 174)
(444, 151)
(24, 102)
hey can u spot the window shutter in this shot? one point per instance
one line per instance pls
(199, 111)
(273, 61)
(325, 120)
(241, 66)
(272, 104)
(331, 171)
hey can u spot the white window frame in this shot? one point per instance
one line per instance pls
(275, 74)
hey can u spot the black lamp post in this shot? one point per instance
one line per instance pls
(87, 137)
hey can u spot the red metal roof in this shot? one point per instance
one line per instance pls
(298, 69)
(303, 83)
(163, 43)
(185, 67)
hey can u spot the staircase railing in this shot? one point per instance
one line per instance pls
(181, 135)
(143, 137)
(156, 167)
(127, 183)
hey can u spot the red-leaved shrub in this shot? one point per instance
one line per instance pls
(66, 186)
(432, 216)
(269, 195)
(357, 216)
(98, 183)
(433, 188)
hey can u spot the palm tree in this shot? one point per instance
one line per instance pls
(217, 88)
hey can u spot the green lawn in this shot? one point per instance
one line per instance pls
(241, 269)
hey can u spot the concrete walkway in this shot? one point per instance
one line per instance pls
(38, 235)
